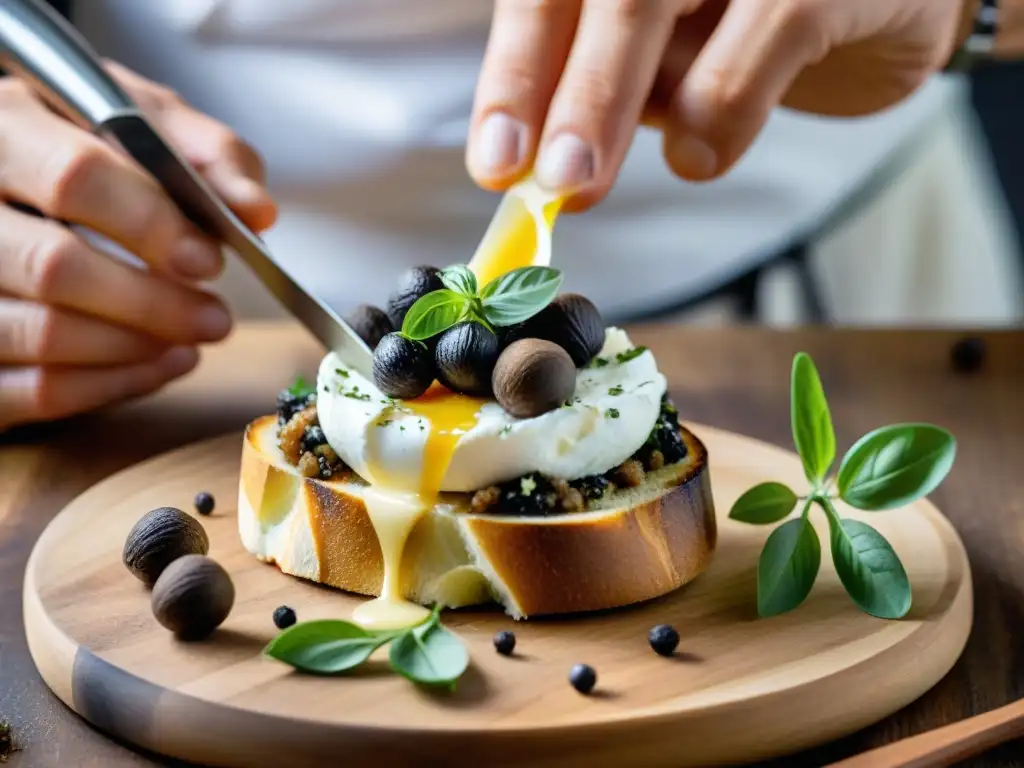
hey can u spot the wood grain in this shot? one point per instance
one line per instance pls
(784, 678)
(736, 379)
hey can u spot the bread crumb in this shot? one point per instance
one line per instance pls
(329, 455)
(484, 499)
(630, 474)
(308, 465)
(289, 438)
(656, 460)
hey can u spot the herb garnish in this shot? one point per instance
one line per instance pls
(301, 388)
(599, 362)
(427, 654)
(887, 468)
(505, 431)
(629, 354)
(507, 300)
(612, 413)
(341, 372)
(616, 390)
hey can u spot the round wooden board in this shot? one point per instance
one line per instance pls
(740, 689)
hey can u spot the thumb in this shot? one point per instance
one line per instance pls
(741, 75)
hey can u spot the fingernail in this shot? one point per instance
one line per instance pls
(242, 190)
(566, 164)
(179, 361)
(693, 158)
(500, 146)
(213, 322)
(196, 259)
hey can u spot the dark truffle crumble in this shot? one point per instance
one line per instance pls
(302, 439)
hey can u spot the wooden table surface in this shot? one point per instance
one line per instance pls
(736, 379)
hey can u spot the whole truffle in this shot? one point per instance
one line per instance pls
(371, 323)
(403, 368)
(465, 358)
(533, 376)
(414, 284)
(193, 597)
(572, 322)
(158, 539)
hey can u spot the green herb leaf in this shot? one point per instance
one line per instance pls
(788, 567)
(812, 423)
(630, 354)
(326, 647)
(869, 569)
(763, 504)
(519, 295)
(459, 278)
(429, 654)
(895, 465)
(302, 388)
(435, 313)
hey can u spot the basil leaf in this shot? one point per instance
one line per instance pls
(788, 567)
(813, 435)
(763, 504)
(871, 572)
(895, 465)
(301, 388)
(459, 278)
(520, 294)
(435, 313)
(326, 647)
(429, 655)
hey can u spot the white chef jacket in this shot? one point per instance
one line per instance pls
(361, 109)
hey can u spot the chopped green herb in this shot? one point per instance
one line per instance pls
(616, 390)
(644, 384)
(630, 354)
(341, 372)
(527, 485)
(599, 362)
(355, 395)
(326, 388)
(506, 431)
(612, 413)
(401, 427)
(383, 423)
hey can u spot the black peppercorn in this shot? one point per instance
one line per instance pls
(284, 617)
(505, 642)
(204, 503)
(663, 639)
(583, 678)
(968, 355)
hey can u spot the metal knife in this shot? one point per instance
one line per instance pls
(40, 46)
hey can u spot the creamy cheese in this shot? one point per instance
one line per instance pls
(612, 412)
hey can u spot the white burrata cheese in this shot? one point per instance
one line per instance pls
(610, 416)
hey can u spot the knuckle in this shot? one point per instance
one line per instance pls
(73, 175)
(594, 93)
(633, 10)
(38, 334)
(806, 18)
(48, 266)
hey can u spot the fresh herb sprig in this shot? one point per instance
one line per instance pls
(507, 300)
(426, 654)
(887, 468)
(301, 388)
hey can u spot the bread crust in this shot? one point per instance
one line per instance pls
(567, 563)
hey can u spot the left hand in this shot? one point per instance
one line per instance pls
(576, 77)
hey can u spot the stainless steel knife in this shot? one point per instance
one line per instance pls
(39, 45)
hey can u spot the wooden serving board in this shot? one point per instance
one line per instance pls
(740, 688)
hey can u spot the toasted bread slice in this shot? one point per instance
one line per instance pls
(631, 546)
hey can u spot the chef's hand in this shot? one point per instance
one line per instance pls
(576, 77)
(78, 329)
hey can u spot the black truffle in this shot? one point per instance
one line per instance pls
(416, 283)
(465, 358)
(402, 368)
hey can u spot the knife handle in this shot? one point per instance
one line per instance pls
(41, 46)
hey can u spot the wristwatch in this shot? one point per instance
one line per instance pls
(981, 41)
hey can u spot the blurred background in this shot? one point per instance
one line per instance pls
(911, 217)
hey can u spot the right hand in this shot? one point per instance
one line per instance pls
(78, 329)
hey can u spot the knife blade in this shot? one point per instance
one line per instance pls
(42, 47)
